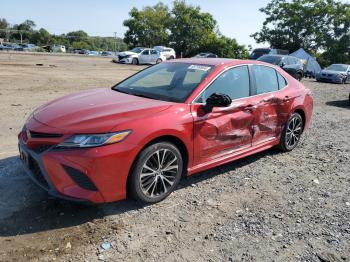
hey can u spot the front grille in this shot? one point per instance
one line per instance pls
(42, 148)
(80, 178)
(120, 57)
(37, 174)
(44, 135)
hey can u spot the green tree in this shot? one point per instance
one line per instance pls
(26, 30)
(148, 27)
(41, 37)
(190, 28)
(3, 26)
(315, 25)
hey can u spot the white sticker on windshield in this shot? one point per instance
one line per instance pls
(199, 67)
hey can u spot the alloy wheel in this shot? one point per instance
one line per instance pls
(294, 130)
(158, 173)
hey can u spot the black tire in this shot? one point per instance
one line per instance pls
(159, 61)
(299, 76)
(135, 61)
(287, 141)
(160, 179)
(171, 57)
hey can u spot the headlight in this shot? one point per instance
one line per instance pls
(127, 56)
(93, 140)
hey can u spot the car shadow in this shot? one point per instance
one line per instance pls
(339, 103)
(27, 209)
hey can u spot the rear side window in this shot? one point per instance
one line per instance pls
(265, 79)
(282, 82)
(234, 83)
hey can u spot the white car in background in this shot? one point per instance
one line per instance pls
(58, 48)
(168, 52)
(145, 56)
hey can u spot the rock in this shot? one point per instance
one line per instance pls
(347, 204)
(278, 215)
(101, 257)
(316, 181)
(328, 257)
(69, 245)
(106, 245)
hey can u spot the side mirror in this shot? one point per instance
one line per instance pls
(217, 100)
(282, 64)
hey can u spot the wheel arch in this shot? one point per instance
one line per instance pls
(164, 138)
(301, 112)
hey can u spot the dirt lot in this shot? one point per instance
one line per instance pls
(268, 207)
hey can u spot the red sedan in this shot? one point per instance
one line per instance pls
(176, 118)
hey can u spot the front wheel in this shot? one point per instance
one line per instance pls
(291, 133)
(159, 61)
(156, 173)
(135, 61)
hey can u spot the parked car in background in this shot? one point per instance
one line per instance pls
(106, 53)
(127, 54)
(292, 65)
(206, 55)
(5, 47)
(81, 51)
(27, 47)
(146, 56)
(258, 52)
(168, 52)
(58, 48)
(336, 73)
(93, 53)
(137, 138)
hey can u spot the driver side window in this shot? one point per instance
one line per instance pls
(234, 83)
(145, 52)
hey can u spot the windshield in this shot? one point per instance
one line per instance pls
(259, 52)
(340, 68)
(172, 82)
(275, 60)
(137, 50)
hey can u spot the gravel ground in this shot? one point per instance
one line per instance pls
(268, 207)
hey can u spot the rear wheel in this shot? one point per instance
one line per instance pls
(159, 61)
(135, 61)
(171, 57)
(156, 173)
(291, 133)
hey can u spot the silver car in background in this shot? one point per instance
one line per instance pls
(336, 73)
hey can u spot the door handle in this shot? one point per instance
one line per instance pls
(286, 99)
(250, 108)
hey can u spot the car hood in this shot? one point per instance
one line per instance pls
(96, 111)
(127, 53)
(324, 71)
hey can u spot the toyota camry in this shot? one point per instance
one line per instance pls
(174, 119)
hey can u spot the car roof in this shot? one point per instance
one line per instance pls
(217, 61)
(278, 55)
(341, 64)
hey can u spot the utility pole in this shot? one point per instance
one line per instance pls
(115, 43)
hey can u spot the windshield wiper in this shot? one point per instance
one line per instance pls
(141, 95)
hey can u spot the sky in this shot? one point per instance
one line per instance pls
(236, 18)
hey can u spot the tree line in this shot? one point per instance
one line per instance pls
(75, 39)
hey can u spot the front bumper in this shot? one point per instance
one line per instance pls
(329, 79)
(95, 175)
(125, 61)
